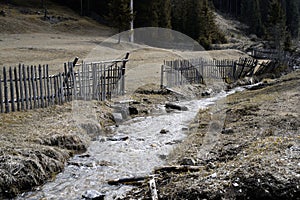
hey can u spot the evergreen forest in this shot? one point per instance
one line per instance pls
(276, 21)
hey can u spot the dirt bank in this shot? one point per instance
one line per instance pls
(255, 156)
(34, 145)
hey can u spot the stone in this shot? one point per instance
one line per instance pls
(235, 184)
(118, 117)
(214, 175)
(118, 138)
(2, 13)
(207, 93)
(133, 110)
(93, 195)
(164, 131)
(188, 161)
(176, 107)
(227, 131)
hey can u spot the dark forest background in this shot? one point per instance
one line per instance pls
(276, 21)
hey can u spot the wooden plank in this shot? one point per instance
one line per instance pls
(162, 76)
(61, 89)
(93, 68)
(45, 86)
(80, 83)
(17, 89)
(29, 87)
(33, 85)
(51, 94)
(56, 86)
(25, 87)
(12, 96)
(1, 97)
(153, 190)
(48, 86)
(73, 77)
(21, 87)
(104, 82)
(37, 87)
(6, 102)
(65, 82)
(41, 87)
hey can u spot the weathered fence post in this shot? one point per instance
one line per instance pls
(162, 77)
(41, 86)
(25, 86)
(123, 72)
(37, 87)
(1, 96)
(33, 86)
(12, 96)
(48, 87)
(5, 91)
(29, 87)
(21, 87)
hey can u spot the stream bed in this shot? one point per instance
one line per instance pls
(135, 149)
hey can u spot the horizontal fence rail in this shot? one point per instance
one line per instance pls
(196, 71)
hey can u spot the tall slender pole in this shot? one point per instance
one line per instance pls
(131, 23)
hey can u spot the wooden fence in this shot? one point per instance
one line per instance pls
(30, 87)
(100, 80)
(195, 71)
(269, 54)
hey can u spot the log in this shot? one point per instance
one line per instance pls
(178, 169)
(153, 190)
(128, 181)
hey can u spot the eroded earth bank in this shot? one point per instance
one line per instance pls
(255, 156)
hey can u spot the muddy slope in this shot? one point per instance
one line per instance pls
(255, 156)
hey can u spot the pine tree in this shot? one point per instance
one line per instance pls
(251, 15)
(293, 17)
(120, 15)
(276, 25)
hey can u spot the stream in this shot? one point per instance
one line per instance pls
(137, 147)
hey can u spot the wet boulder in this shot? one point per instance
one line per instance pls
(164, 131)
(206, 93)
(176, 107)
(93, 195)
(133, 110)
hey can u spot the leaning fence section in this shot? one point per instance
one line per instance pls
(100, 80)
(196, 71)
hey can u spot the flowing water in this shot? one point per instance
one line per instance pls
(139, 149)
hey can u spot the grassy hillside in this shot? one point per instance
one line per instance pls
(29, 17)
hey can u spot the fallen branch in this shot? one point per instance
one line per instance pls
(178, 169)
(153, 189)
(127, 181)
